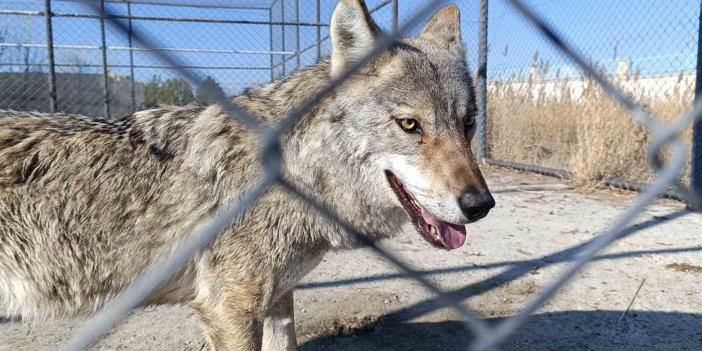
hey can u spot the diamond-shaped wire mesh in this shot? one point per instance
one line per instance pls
(154, 58)
(545, 111)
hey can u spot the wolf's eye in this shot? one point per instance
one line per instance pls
(469, 122)
(409, 125)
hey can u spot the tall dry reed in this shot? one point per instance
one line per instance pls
(575, 125)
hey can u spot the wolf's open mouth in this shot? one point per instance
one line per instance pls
(437, 232)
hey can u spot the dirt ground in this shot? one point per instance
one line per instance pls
(356, 301)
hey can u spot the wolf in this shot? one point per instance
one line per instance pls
(86, 205)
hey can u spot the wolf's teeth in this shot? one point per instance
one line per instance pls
(432, 231)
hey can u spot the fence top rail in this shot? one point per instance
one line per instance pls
(265, 5)
(232, 68)
(163, 19)
(126, 48)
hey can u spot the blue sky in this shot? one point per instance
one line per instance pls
(659, 37)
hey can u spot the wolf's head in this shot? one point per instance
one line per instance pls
(398, 133)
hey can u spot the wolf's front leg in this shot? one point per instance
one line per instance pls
(232, 318)
(279, 325)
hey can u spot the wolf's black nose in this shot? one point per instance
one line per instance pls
(476, 206)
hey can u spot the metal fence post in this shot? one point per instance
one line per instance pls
(319, 30)
(481, 126)
(697, 127)
(297, 32)
(105, 73)
(131, 57)
(395, 15)
(270, 41)
(53, 103)
(282, 16)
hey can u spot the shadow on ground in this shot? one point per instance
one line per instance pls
(570, 330)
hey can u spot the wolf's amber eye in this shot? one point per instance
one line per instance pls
(409, 125)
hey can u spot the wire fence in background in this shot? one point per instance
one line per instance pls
(46, 65)
(546, 115)
(666, 151)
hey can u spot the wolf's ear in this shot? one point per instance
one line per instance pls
(444, 27)
(352, 34)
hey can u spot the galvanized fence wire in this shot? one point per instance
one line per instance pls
(572, 121)
(114, 74)
(486, 337)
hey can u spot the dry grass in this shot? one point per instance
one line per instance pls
(576, 126)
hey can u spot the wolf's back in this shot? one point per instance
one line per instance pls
(32, 144)
(87, 204)
(36, 149)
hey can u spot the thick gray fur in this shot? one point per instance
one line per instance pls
(87, 204)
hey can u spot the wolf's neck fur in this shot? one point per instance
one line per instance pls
(317, 158)
(275, 101)
(306, 146)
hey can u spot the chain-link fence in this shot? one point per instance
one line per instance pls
(547, 115)
(48, 65)
(287, 46)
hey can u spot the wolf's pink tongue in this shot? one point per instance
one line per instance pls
(452, 236)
